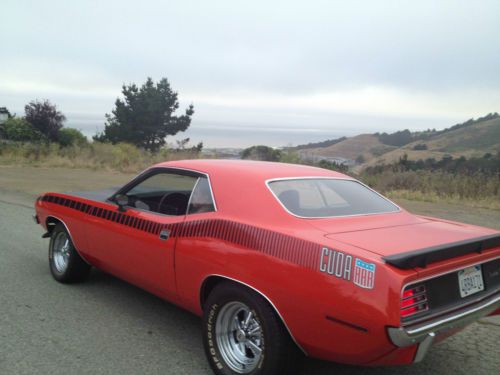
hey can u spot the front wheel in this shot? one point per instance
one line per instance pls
(242, 334)
(65, 263)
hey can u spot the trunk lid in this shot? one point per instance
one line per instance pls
(399, 237)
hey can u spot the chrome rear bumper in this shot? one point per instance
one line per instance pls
(423, 334)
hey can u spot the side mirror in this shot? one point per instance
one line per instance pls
(121, 200)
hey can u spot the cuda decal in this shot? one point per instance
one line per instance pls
(339, 264)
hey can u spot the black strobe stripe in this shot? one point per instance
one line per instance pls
(275, 244)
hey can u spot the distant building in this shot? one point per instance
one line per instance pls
(333, 159)
(223, 153)
(4, 114)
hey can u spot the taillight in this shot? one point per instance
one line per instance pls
(414, 300)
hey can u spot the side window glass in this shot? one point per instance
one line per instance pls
(201, 200)
(164, 193)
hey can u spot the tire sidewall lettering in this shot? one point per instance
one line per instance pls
(263, 355)
(212, 346)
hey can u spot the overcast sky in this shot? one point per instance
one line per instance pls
(274, 72)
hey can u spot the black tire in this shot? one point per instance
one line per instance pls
(279, 353)
(70, 267)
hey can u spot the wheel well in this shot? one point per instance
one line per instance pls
(208, 285)
(212, 281)
(51, 222)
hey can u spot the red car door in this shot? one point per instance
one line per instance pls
(137, 245)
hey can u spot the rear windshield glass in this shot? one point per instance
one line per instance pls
(329, 197)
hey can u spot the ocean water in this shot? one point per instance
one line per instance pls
(226, 134)
(241, 138)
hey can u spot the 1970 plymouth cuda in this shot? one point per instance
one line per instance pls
(280, 260)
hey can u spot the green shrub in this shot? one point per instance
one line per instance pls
(18, 129)
(420, 147)
(71, 137)
(261, 152)
(290, 155)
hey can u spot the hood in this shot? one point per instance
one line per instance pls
(398, 233)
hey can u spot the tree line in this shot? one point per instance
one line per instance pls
(145, 116)
(403, 137)
(42, 122)
(488, 164)
(288, 155)
(328, 142)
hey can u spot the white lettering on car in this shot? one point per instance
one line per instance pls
(339, 264)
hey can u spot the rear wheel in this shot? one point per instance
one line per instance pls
(65, 263)
(243, 334)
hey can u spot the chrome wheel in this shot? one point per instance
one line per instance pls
(60, 251)
(239, 337)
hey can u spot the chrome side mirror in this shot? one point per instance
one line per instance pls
(121, 200)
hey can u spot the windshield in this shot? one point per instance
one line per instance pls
(323, 197)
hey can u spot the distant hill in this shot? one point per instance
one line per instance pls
(481, 136)
(366, 145)
(471, 138)
(328, 142)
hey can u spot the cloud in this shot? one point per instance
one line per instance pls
(373, 101)
(281, 63)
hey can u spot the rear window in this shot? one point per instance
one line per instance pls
(321, 197)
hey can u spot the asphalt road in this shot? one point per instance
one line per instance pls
(106, 326)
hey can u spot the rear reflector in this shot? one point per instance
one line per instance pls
(414, 301)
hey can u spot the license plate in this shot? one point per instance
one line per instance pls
(470, 281)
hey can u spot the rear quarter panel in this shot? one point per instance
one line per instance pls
(285, 269)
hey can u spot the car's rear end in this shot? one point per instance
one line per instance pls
(446, 274)
(457, 284)
(448, 284)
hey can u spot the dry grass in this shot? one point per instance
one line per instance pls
(453, 211)
(97, 156)
(432, 197)
(478, 190)
(351, 148)
(394, 156)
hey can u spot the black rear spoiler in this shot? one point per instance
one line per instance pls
(423, 257)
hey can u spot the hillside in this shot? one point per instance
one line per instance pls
(471, 138)
(475, 140)
(367, 145)
(483, 136)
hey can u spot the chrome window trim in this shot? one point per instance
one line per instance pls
(203, 173)
(443, 312)
(191, 195)
(267, 182)
(174, 168)
(265, 297)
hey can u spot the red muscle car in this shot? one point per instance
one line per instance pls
(280, 260)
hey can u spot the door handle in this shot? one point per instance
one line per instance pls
(164, 234)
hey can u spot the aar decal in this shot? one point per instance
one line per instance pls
(364, 274)
(339, 264)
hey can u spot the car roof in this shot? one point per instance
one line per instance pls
(261, 170)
